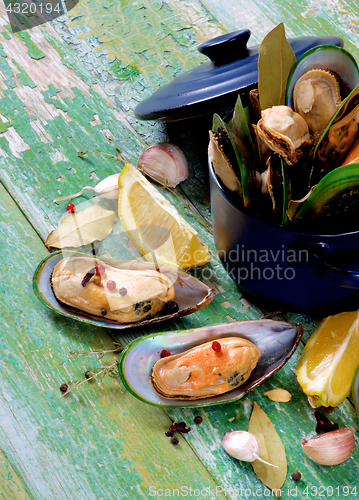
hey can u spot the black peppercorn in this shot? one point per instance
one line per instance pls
(103, 312)
(296, 476)
(198, 420)
(64, 387)
(171, 307)
(122, 291)
(174, 440)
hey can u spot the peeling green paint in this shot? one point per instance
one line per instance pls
(4, 126)
(128, 72)
(33, 51)
(2, 52)
(23, 77)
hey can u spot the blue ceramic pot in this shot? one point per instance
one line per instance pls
(280, 268)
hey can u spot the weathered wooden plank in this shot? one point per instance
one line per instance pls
(98, 442)
(293, 421)
(12, 485)
(80, 89)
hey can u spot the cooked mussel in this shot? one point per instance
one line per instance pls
(337, 138)
(206, 370)
(316, 96)
(285, 132)
(123, 295)
(219, 154)
(332, 206)
(276, 340)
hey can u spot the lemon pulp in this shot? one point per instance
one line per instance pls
(326, 367)
(154, 225)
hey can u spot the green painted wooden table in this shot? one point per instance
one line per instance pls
(69, 85)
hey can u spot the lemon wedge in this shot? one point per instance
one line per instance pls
(154, 226)
(328, 362)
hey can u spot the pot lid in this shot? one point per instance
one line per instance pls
(215, 84)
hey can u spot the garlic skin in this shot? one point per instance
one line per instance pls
(108, 188)
(243, 445)
(165, 162)
(331, 448)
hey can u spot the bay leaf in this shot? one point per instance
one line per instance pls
(276, 59)
(82, 228)
(279, 395)
(271, 449)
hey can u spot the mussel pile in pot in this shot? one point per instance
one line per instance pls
(285, 180)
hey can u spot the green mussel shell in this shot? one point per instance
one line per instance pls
(332, 207)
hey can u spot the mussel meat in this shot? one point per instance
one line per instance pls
(316, 96)
(203, 372)
(285, 132)
(338, 137)
(121, 295)
(222, 165)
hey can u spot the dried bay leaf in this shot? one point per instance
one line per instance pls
(276, 59)
(271, 449)
(82, 228)
(279, 395)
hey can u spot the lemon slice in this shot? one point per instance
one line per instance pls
(154, 226)
(328, 362)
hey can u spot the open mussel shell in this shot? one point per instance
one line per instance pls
(243, 167)
(276, 181)
(329, 57)
(332, 206)
(190, 293)
(338, 137)
(276, 340)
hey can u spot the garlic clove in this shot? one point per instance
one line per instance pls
(331, 448)
(243, 445)
(165, 162)
(108, 188)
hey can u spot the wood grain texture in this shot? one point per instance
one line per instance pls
(96, 443)
(72, 85)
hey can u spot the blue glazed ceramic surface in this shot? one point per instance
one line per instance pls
(215, 84)
(309, 273)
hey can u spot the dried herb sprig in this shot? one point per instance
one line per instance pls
(107, 370)
(90, 375)
(99, 353)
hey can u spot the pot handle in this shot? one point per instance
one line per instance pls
(226, 48)
(315, 264)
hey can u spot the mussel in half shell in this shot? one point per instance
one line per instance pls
(337, 138)
(316, 96)
(276, 340)
(122, 295)
(332, 207)
(285, 132)
(218, 155)
(205, 370)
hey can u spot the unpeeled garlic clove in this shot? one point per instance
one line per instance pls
(108, 188)
(243, 445)
(165, 162)
(331, 448)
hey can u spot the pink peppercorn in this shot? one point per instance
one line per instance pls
(216, 346)
(100, 269)
(111, 285)
(71, 208)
